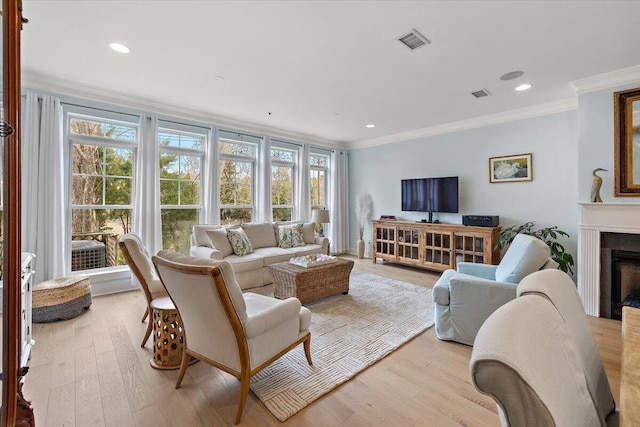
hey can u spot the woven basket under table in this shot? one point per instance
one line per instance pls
(311, 283)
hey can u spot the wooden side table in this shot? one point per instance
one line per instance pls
(168, 334)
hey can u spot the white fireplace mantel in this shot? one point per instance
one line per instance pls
(596, 218)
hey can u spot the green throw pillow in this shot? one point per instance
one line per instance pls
(290, 236)
(239, 241)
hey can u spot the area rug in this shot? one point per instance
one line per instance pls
(348, 334)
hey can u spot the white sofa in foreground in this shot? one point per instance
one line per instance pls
(252, 270)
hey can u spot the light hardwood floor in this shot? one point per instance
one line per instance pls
(91, 371)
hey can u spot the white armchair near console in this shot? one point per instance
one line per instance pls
(466, 298)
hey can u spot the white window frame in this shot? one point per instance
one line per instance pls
(181, 151)
(239, 158)
(72, 139)
(319, 168)
(292, 165)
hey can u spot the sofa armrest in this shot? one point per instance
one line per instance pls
(324, 242)
(204, 252)
(258, 323)
(486, 271)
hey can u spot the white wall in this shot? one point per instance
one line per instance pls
(596, 142)
(550, 199)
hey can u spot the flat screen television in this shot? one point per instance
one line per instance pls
(430, 195)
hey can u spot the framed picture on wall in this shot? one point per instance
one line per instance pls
(627, 143)
(514, 168)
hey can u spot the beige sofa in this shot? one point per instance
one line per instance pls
(252, 270)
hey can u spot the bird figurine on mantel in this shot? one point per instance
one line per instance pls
(595, 186)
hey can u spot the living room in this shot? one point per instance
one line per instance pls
(426, 125)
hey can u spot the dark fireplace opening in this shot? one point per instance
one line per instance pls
(625, 280)
(619, 272)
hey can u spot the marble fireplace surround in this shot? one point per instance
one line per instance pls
(594, 219)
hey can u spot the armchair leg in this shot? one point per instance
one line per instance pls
(146, 313)
(147, 334)
(245, 382)
(186, 358)
(307, 349)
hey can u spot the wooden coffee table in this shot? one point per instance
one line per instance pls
(311, 283)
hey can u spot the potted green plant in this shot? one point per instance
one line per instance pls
(549, 235)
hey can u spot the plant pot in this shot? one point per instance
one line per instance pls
(360, 248)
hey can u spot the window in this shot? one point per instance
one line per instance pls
(181, 156)
(282, 190)
(102, 159)
(318, 166)
(237, 176)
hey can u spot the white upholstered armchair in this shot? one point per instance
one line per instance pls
(139, 262)
(466, 297)
(238, 333)
(536, 357)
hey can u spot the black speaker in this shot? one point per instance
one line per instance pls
(481, 220)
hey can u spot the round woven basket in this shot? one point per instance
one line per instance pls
(61, 299)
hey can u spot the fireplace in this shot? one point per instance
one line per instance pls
(605, 228)
(619, 272)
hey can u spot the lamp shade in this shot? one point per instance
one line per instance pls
(321, 216)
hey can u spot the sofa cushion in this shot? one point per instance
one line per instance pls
(309, 231)
(290, 236)
(200, 233)
(220, 241)
(525, 255)
(274, 255)
(239, 242)
(252, 261)
(261, 234)
(307, 249)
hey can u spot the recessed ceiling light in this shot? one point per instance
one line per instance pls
(119, 47)
(371, 125)
(511, 75)
(524, 86)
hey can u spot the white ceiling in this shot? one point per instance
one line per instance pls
(305, 61)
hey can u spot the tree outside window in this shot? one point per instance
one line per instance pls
(181, 156)
(237, 163)
(318, 173)
(282, 173)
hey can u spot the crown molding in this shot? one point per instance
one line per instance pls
(487, 120)
(607, 80)
(73, 89)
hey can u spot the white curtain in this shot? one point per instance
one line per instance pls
(338, 228)
(303, 202)
(210, 186)
(43, 183)
(146, 194)
(263, 190)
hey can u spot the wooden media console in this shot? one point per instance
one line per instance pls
(434, 246)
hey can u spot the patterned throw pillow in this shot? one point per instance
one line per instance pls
(290, 236)
(239, 241)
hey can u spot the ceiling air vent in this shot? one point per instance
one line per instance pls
(480, 93)
(414, 40)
